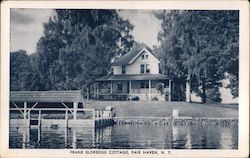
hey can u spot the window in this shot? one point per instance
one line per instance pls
(159, 68)
(147, 69)
(146, 56)
(142, 69)
(119, 86)
(144, 84)
(123, 69)
(112, 71)
(142, 57)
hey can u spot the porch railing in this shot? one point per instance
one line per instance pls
(133, 91)
(104, 91)
(144, 91)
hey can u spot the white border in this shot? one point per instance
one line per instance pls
(243, 6)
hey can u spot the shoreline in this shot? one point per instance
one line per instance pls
(175, 121)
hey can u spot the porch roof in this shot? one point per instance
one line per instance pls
(46, 96)
(133, 77)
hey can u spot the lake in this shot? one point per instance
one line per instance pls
(128, 137)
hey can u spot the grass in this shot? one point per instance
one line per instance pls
(164, 109)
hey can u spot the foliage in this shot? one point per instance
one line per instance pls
(213, 95)
(21, 73)
(160, 87)
(135, 98)
(155, 98)
(201, 46)
(76, 47)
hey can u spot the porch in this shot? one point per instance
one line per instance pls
(145, 87)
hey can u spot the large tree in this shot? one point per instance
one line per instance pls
(78, 45)
(21, 73)
(206, 40)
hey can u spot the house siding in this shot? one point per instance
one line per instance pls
(134, 68)
(117, 70)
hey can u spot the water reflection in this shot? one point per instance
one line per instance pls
(127, 137)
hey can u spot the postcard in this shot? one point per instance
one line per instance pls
(124, 79)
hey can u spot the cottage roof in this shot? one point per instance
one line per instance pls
(46, 96)
(133, 77)
(126, 58)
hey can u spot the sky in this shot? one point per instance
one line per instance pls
(26, 27)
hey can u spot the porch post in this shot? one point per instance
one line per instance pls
(149, 89)
(169, 91)
(94, 89)
(111, 87)
(97, 89)
(130, 86)
(75, 104)
(25, 110)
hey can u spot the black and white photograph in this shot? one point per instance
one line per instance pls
(135, 81)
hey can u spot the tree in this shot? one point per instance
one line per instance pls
(21, 73)
(78, 45)
(203, 39)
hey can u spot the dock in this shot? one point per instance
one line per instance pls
(55, 109)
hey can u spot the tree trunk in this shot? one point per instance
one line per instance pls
(188, 89)
(203, 91)
(88, 92)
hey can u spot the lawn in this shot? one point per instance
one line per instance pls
(164, 109)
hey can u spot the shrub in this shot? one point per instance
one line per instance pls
(155, 98)
(135, 98)
(166, 96)
(160, 87)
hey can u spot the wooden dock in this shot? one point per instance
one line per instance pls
(60, 117)
(55, 109)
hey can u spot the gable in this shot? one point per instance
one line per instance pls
(132, 55)
(144, 52)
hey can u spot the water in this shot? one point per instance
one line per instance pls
(128, 137)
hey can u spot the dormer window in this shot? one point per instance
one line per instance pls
(123, 69)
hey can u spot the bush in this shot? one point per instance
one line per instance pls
(160, 87)
(155, 99)
(135, 98)
(166, 96)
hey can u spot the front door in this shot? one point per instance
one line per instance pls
(119, 87)
(128, 87)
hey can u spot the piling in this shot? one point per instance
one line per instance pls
(175, 113)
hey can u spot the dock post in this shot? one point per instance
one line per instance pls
(75, 104)
(25, 110)
(175, 113)
(39, 118)
(29, 119)
(66, 118)
(93, 118)
(97, 118)
(102, 118)
(39, 135)
(66, 128)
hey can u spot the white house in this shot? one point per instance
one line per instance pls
(134, 74)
